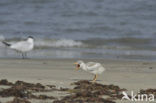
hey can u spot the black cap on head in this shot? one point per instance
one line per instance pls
(30, 37)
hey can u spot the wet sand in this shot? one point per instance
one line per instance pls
(132, 75)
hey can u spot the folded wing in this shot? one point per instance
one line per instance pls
(21, 46)
(95, 68)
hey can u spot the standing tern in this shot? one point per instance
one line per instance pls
(92, 67)
(22, 46)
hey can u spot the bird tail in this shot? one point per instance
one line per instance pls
(7, 44)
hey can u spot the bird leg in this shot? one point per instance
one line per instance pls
(94, 79)
(22, 56)
(25, 55)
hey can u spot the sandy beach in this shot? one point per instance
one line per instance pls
(53, 34)
(132, 75)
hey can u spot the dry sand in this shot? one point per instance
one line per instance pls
(132, 75)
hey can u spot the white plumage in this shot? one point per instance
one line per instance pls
(22, 46)
(92, 67)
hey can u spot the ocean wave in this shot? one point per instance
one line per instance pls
(2, 38)
(94, 43)
(58, 43)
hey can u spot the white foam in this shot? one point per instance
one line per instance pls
(58, 43)
(2, 38)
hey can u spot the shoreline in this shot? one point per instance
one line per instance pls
(66, 65)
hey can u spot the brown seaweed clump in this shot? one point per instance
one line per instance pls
(148, 91)
(17, 91)
(112, 91)
(30, 86)
(88, 92)
(19, 100)
(83, 92)
(22, 89)
(43, 97)
(5, 82)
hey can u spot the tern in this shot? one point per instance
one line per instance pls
(92, 67)
(22, 46)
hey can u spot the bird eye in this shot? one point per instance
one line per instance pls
(78, 65)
